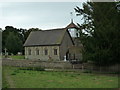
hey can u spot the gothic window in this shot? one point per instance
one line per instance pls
(55, 51)
(46, 52)
(29, 51)
(74, 56)
(37, 52)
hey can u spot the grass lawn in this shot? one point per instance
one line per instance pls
(17, 57)
(0, 73)
(51, 79)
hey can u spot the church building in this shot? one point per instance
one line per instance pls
(53, 44)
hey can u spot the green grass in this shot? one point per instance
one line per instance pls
(0, 75)
(17, 57)
(4, 80)
(52, 79)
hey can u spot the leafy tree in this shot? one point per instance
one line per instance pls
(6, 32)
(101, 22)
(19, 35)
(13, 43)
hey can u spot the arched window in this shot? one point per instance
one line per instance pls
(37, 51)
(55, 51)
(29, 51)
(46, 52)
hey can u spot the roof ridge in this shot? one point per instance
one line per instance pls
(53, 29)
(50, 30)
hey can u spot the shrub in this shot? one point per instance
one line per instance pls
(13, 73)
(39, 69)
(87, 71)
(16, 71)
(29, 68)
(73, 76)
(114, 72)
(32, 68)
(26, 68)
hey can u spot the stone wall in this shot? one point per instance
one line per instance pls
(60, 65)
(88, 66)
(37, 63)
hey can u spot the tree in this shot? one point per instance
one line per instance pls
(101, 22)
(19, 37)
(13, 43)
(6, 32)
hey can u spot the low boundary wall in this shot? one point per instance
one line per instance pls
(59, 64)
(37, 63)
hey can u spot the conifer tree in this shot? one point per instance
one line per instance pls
(102, 41)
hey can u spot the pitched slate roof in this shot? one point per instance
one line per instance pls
(45, 37)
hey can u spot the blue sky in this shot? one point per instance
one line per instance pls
(43, 15)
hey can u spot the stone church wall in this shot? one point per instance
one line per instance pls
(66, 43)
(42, 55)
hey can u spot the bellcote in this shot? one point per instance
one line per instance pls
(73, 29)
(72, 25)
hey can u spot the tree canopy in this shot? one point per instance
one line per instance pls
(13, 39)
(102, 41)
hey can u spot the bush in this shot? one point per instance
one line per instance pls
(32, 68)
(114, 72)
(15, 72)
(26, 68)
(39, 69)
(87, 71)
(73, 76)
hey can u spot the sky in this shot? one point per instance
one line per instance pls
(42, 15)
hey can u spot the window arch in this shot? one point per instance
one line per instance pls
(29, 51)
(55, 51)
(37, 51)
(46, 51)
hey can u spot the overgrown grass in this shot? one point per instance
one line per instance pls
(52, 79)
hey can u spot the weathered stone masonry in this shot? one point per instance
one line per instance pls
(41, 55)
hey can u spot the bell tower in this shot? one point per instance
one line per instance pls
(74, 52)
(72, 28)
